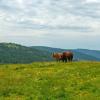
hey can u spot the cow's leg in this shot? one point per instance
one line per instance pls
(57, 60)
(66, 59)
(62, 59)
(71, 58)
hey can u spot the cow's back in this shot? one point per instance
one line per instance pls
(67, 54)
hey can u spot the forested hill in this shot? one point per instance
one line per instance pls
(79, 54)
(15, 53)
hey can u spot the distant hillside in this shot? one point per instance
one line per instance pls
(79, 54)
(48, 49)
(95, 53)
(14, 53)
(84, 56)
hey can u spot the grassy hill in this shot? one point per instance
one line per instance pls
(50, 81)
(95, 53)
(15, 53)
(79, 54)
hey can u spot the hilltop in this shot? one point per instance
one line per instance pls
(79, 54)
(50, 81)
(15, 53)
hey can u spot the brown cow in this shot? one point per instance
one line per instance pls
(67, 56)
(57, 56)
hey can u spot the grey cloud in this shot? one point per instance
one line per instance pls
(75, 15)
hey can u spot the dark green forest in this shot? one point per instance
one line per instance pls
(15, 53)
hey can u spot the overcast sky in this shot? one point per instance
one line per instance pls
(54, 23)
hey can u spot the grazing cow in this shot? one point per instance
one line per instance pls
(57, 56)
(67, 56)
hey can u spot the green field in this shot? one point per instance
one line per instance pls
(50, 81)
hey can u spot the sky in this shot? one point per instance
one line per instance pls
(54, 23)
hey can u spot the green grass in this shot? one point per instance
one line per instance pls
(50, 81)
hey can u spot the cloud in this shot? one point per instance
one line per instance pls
(48, 18)
(48, 13)
(92, 1)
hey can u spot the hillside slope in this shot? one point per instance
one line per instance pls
(14, 53)
(50, 81)
(95, 53)
(84, 54)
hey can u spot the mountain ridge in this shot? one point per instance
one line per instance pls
(16, 53)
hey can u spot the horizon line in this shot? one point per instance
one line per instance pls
(47, 46)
